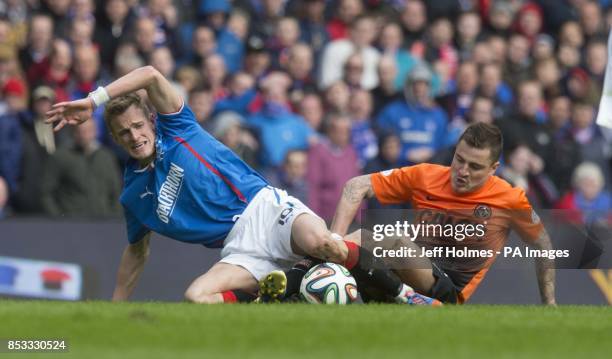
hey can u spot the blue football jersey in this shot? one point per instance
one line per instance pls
(195, 189)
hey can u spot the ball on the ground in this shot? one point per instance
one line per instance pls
(329, 283)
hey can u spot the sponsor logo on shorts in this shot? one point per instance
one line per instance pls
(286, 215)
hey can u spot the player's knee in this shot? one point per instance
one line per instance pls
(323, 246)
(195, 296)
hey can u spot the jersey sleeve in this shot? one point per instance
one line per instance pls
(177, 124)
(525, 221)
(395, 185)
(135, 230)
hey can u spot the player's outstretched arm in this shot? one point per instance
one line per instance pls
(355, 190)
(545, 270)
(160, 91)
(132, 262)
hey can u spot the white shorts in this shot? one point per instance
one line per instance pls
(260, 240)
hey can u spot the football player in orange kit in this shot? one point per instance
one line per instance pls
(466, 191)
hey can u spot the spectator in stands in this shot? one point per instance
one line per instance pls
(203, 44)
(38, 142)
(568, 56)
(588, 202)
(457, 103)
(469, 28)
(311, 108)
(580, 87)
(591, 20)
(214, 71)
(313, 28)
(523, 126)
(347, 11)
(387, 90)
(189, 78)
(86, 71)
(353, 71)
(566, 150)
(270, 11)
(439, 47)
(492, 86)
(559, 113)
(419, 122)
(257, 59)
(363, 138)
(292, 175)
(40, 41)
(335, 54)
(286, 34)
(82, 180)
(391, 44)
(593, 146)
(525, 170)
(481, 111)
(337, 97)
(279, 130)
(231, 40)
(548, 74)
(55, 73)
(240, 95)
(127, 59)
(529, 21)
(111, 28)
(596, 58)
(518, 64)
(331, 162)
(299, 64)
(15, 95)
(414, 23)
(227, 128)
(202, 104)
(543, 47)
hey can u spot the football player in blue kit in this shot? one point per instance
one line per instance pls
(182, 183)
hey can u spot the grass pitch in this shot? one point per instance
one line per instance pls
(181, 330)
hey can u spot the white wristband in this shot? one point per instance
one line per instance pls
(336, 236)
(99, 96)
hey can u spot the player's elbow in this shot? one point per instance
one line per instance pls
(151, 73)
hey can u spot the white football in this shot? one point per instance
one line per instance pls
(329, 283)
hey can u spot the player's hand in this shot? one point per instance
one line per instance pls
(69, 113)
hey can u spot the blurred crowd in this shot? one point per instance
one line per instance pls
(312, 92)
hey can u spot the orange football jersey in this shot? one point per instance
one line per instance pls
(496, 205)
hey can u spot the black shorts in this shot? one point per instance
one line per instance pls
(443, 289)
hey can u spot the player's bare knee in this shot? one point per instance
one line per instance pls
(200, 298)
(325, 247)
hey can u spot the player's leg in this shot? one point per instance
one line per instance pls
(224, 282)
(419, 273)
(415, 271)
(309, 236)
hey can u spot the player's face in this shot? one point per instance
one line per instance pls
(135, 134)
(471, 168)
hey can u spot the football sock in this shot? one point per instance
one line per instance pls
(297, 272)
(370, 271)
(237, 296)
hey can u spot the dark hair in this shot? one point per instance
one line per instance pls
(119, 105)
(483, 136)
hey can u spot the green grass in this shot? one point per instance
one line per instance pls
(181, 330)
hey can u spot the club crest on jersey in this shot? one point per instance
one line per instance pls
(169, 192)
(159, 148)
(482, 211)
